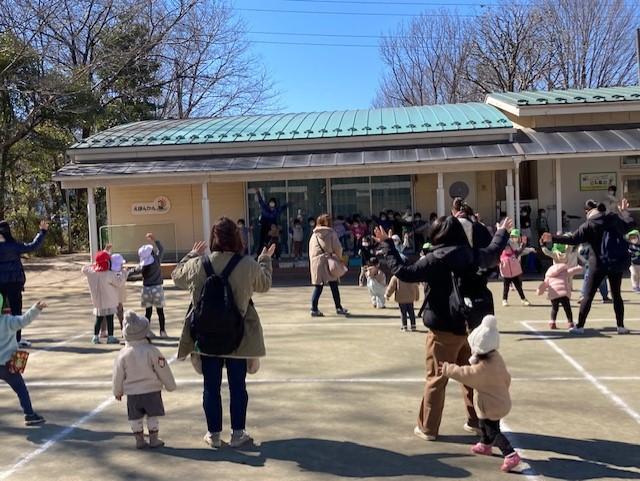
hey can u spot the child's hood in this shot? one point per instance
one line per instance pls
(557, 270)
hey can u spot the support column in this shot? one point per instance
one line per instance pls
(440, 195)
(510, 195)
(517, 194)
(558, 178)
(93, 222)
(206, 213)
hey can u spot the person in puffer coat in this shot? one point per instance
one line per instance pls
(510, 268)
(557, 281)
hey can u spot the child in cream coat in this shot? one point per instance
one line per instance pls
(140, 372)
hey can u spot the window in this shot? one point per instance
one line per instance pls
(392, 192)
(370, 195)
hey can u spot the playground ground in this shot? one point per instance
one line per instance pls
(335, 398)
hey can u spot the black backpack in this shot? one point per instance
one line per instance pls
(470, 299)
(217, 326)
(614, 250)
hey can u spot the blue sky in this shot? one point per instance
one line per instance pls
(312, 78)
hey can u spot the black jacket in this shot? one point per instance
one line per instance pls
(592, 232)
(435, 269)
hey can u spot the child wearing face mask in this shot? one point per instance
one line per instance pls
(376, 283)
(366, 253)
(510, 267)
(557, 281)
(633, 237)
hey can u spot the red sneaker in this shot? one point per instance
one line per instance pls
(483, 449)
(510, 462)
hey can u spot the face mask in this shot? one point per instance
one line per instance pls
(383, 217)
(635, 241)
(312, 224)
(418, 219)
(365, 244)
(272, 204)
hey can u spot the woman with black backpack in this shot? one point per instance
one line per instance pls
(210, 334)
(604, 232)
(450, 258)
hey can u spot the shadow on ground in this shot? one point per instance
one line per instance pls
(336, 458)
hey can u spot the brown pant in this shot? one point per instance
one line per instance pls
(443, 347)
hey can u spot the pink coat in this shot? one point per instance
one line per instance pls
(557, 281)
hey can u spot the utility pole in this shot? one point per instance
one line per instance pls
(638, 52)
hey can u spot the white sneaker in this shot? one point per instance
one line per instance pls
(525, 302)
(472, 429)
(164, 334)
(505, 303)
(24, 344)
(95, 340)
(576, 330)
(240, 439)
(623, 330)
(422, 435)
(213, 440)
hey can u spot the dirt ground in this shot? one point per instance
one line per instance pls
(335, 398)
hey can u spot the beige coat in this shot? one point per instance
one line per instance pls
(327, 239)
(490, 379)
(140, 368)
(248, 277)
(104, 287)
(405, 292)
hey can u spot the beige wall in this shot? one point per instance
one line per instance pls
(486, 196)
(551, 120)
(424, 194)
(225, 199)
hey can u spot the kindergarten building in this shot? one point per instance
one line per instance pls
(550, 150)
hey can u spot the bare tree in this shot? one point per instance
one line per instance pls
(510, 51)
(425, 61)
(592, 42)
(209, 68)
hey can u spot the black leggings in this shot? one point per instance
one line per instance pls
(566, 305)
(593, 282)
(99, 320)
(492, 436)
(517, 283)
(407, 311)
(317, 291)
(149, 311)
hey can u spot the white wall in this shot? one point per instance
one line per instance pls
(573, 198)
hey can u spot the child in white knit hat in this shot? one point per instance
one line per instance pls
(488, 375)
(151, 269)
(140, 372)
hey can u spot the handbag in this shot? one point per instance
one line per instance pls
(336, 266)
(18, 362)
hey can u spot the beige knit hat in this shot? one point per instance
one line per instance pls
(484, 338)
(136, 328)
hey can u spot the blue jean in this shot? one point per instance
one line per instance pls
(604, 289)
(211, 399)
(17, 384)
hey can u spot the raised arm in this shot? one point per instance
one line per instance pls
(35, 244)
(160, 249)
(488, 257)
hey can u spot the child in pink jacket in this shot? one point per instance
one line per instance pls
(557, 281)
(510, 268)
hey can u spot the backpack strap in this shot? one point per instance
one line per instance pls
(208, 268)
(231, 265)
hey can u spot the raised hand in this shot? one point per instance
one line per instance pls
(380, 235)
(199, 247)
(149, 236)
(108, 248)
(269, 251)
(506, 224)
(546, 237)
(44, 225)
(624, 205)
(41, 304)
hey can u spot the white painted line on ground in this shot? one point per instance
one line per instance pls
(561, 321)
(528, 472)
(59, 437)
(614, 398)
(58, 344)
(363, 380)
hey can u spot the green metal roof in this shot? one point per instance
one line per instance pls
(316, 125)
(571, 96)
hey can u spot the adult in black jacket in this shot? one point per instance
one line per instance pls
(447, 338)
(601, 264)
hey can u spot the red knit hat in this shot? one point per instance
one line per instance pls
(102, 262)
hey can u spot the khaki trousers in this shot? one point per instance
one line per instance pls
(443, 347)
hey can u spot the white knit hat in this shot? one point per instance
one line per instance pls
(136, 327)
(484, 338)
(117, 261)
(146, 255)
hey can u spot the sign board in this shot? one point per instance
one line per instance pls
(160, 205)
(597, 181)
(632, 161)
